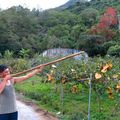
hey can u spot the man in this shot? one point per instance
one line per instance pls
(8, 109)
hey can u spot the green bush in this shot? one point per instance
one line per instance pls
(114, 51)
(107, 45)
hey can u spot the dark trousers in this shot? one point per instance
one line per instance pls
(9, 116)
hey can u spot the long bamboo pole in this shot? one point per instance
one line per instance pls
(46, 64)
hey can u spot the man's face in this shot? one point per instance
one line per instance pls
(5, 72)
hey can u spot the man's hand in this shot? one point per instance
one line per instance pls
(7, 77)
(40, 69)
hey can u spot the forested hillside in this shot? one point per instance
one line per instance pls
(100, 5)
(90, 26)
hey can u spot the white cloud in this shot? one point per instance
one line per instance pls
(44, 4)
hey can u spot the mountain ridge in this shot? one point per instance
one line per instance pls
(69, 4)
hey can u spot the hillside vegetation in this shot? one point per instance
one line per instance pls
(71, 27)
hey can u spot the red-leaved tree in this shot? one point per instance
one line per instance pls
(109, 18)
(107, 21)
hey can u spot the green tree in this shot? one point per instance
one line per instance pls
(8, 54)
(77, 30)
(24, 53)
(89, 16)
(114, 51)
(59, 31)
(91, 44)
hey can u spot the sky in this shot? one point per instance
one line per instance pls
(39, 4)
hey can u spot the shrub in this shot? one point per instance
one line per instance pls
(114, 51)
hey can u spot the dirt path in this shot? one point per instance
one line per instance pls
(28, 110)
